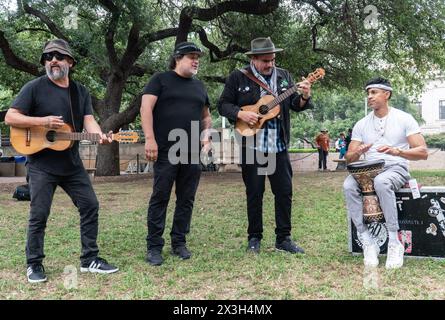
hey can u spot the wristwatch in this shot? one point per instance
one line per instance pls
(400, 152)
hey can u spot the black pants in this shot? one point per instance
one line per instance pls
(281, 185)
(322, 159)
(79, 189)
(186, 177)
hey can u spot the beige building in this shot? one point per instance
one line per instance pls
(432, 104)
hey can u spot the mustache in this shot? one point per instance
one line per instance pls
(61, 73)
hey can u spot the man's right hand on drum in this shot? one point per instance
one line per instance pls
(363, 148)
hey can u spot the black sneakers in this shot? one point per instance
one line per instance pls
(288, 245)
(36, 273)
(98, 265)
(154, 257)
(181, 252)
(254, 245)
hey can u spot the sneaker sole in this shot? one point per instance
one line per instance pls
(85, 270)
(392, 267)
(291, 252)
(37, 281)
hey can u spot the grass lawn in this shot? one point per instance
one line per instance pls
(219, 268)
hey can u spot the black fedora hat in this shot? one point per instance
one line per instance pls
(262, 46)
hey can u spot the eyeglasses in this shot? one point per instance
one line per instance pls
(50, 55)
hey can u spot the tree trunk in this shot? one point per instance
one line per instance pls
(107, 162)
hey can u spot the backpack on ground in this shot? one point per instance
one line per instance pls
(22, 193)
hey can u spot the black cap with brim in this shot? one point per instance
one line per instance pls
(186, 48)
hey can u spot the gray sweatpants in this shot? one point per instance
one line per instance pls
(385, 184)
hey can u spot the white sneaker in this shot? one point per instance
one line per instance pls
(394, 259)
(371, 254)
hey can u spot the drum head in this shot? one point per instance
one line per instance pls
(366, 164)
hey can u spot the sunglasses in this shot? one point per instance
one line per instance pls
(50, 55)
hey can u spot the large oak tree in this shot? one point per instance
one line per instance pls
(120, 44)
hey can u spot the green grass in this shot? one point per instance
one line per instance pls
(219, 268)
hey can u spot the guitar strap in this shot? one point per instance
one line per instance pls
(76, 115)
(257, 81)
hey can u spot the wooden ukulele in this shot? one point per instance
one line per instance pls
(268, 107)
(34, 139)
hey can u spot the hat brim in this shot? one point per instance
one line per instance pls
(199, 53)
(58, 49)
(261, 52)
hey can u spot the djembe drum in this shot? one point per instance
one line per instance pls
(364, 173)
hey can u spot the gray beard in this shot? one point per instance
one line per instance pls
(60, 74)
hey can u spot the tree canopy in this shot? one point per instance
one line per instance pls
(120, 44)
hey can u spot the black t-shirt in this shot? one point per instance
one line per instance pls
(180, 101)
(42, 97)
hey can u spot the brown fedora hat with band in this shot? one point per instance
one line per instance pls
(262, 46)
(60, 46)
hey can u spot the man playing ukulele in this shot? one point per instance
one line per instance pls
(271, 142)
(52, 100)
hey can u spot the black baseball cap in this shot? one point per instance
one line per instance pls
(187, 47)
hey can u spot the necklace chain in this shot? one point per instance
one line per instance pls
(380, 131)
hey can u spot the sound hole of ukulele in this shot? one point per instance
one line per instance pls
(263, 109)
(51, 136)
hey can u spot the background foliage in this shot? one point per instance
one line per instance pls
(120, 44)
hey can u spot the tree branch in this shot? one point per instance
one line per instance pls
(117, 120)
(46, 20)
(158, 35)
(52, 27)
(317, 8)
(133, 50)
(15, 62)
(188, 14)
(33, 30)
(112, 26)
(140, 71)
(214, 50)
(314, 41)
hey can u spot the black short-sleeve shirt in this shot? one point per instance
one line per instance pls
(180, 101)
(41, 97)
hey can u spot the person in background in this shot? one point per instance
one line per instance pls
(322, 143)
(340, 146)
(348, 138)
